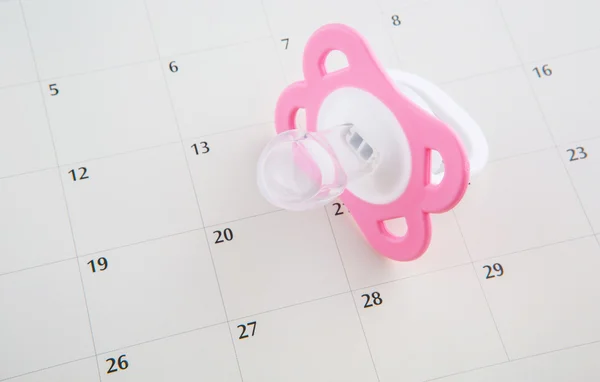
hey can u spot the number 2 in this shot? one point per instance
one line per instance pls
(581, 154)
(496, 268)
(244, 327)
(83, 175)
(338, 211)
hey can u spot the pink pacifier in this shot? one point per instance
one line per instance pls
(388, 144)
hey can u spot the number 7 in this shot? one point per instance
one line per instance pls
(287, 42)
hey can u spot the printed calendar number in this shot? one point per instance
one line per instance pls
(544, 71)
(577, 153)
(245, 333)
(339, 210)
(79, 174)
(396, 20)
(200, 148)
(373, 299)
(117, 364)
(223, 236)
(493, 271)
(98, 265)
(286, 41)
(173, 67)
(53, 90)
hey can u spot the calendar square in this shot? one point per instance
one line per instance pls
(449, 40)
(546, 28)
(569, 95)
(14, 43)
(224, 173)
(575, 364)
(71, 36)
(130, 198)
(44, 321)
(226, 88)
(318, 341)
(505, 108)
(429, 326)
(520, 203)
(110, 112)
(293, 23)
(183, 267)
(200, 355)
(25, 140)
(292, 256)
(182, 26)
(532, 301)
(85, 370)
(34, 225)
(365, 267)
(582, 162)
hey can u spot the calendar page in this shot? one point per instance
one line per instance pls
(136, 246)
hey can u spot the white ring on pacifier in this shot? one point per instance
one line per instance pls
(435, 101)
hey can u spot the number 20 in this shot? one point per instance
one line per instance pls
(226, 234)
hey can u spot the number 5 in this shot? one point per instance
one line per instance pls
(53, 89)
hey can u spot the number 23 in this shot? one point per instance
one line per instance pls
(577, 155)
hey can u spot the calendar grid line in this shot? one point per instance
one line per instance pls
(362, 327)
(226, 131)
(82, 256)
(158, 59)
(163, 337)
(64, 195)
(547, 123)
(27, 172)
(38, 266)
(480, 74)
(233, 320)
(270, 27)
(191, 179)
(47, 367)
(210, 49)
(121, 153)
(100, 70)
(521, 65)
(17, 85)
(140, 242)
(487, 303)
(371, 286)
(514, 360)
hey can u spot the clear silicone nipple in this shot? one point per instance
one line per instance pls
(301, 170)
